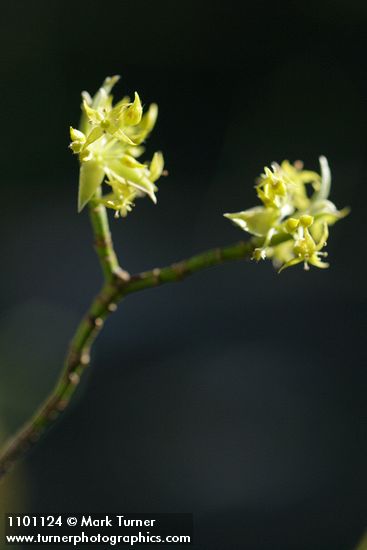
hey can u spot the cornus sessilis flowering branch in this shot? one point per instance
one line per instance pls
(290, 227)
(295, 202)
(109, 142)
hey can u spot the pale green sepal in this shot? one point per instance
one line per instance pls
(290, 263)
(133, 113)
(141, 131)
(93, 116)
(156, 166)
(135, 177)
(149, 118)
(102, 95)
(121, 136)
(90, 178)
(257, 220)
(324, 190)
(95, 134)
(76, 135)
(327, 209)
(131, 162)
(326, 212)
(78, 140)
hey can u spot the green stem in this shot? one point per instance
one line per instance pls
(115, 288)
(102, 238)
(77, 360)
(180, 270)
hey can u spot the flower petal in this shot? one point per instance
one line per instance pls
(136, 177)
(257, 220)
(90, 178)
(156, 166)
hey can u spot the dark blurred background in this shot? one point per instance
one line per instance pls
(238, 395)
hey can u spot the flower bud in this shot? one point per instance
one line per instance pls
(291, 225)
(306, 220)
(78, 140)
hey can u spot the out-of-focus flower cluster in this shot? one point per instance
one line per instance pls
(108, 143)
(295, 204)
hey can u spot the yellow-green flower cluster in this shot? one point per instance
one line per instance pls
(295, 204)
(108, 143)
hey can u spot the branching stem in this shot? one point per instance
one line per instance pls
(117, 285)
(102, 238)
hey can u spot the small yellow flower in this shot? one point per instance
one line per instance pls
(113, 120)
(121, 199)
(272, 187)
(305, 249)
(294, 203)
(108, 144)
